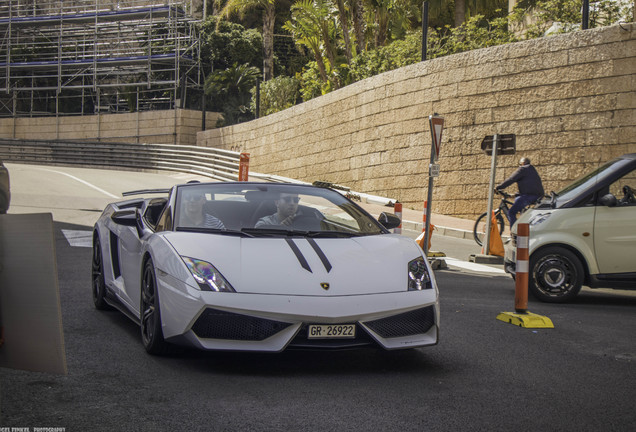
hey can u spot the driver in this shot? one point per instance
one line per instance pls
(286, 211)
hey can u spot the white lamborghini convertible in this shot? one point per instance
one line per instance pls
(262, 267)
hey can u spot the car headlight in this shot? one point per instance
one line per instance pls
(419, 279)
(539, 218)
(207, 276)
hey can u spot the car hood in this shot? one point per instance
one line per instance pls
(304, 266)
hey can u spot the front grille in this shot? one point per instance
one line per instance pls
(217, 324)
(418, 321)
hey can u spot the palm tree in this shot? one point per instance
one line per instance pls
(269, 18)
(313, 26)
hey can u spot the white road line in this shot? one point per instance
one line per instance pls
(78, 238)
(108, 194)
(453, 262)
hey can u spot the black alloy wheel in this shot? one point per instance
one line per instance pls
(556, 275)
(151, 333)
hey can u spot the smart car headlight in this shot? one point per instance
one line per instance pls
(539, 218)
(207, 276)
(419, 278)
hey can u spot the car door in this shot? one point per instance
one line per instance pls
(130, 256)
(615, 230)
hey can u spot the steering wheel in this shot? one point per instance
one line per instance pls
(628, 197)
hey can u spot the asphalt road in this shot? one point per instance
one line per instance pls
(483, 375)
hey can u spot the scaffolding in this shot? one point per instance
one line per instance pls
(61, 57)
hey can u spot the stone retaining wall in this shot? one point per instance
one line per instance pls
(156, 127)
(570, 100)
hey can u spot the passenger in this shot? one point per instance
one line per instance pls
(192, 214)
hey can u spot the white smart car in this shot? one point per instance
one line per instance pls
(583, 235)
(262, 267)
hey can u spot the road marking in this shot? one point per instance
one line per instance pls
(84, 182)
(453, 262)
(78, 238)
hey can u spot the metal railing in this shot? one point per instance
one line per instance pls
(208, 162)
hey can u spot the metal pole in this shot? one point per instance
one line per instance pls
(424, 29)
(429, 199)
(585, 15)
(258, 98)
(493, 169)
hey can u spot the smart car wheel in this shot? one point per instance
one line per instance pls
(151, 333)
(97, 270)
(556, 275)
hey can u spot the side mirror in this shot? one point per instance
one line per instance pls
(125, 217)
(608, 200)
(389, 220)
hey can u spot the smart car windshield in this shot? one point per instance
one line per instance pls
(263, 209)
(590, 180)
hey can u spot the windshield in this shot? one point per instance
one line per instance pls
(590, 180)
(269, 209)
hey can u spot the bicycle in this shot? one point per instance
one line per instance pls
(501, 215)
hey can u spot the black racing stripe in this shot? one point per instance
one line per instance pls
(320, 254)
(299, 255)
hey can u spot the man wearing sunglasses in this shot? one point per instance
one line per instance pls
(286, 211)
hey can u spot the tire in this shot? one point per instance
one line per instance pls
(97, 272)
(151, 333)
(556, 275)
(479, 229)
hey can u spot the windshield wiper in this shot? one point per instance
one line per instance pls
(553, 198)
(253, 232)
(299, 233)
(214, 231)
(333, 234)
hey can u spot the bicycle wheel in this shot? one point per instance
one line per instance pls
(480, 227)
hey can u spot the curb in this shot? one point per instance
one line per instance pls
(445, 231)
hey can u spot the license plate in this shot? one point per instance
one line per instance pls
(331, 331)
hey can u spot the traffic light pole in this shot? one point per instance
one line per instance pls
(493, 168)
(429, 199)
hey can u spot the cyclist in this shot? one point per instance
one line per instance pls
(529, 184)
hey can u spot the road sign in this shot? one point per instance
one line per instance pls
(506, 144)
(437, 125)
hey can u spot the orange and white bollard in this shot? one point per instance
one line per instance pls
(424, 216)
(244, 167)
(398, 213)
(522, 268)
(521, 317)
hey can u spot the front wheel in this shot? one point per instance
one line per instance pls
(151, 333)
(556, 275)
(479, 229)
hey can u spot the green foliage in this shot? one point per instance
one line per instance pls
(475, 33)
(277, 94)
(225, 43)
(229, 91)
(562, 16)
(398, 54)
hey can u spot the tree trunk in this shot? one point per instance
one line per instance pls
(269, 17)
(460, 12)
(358, 24)
(344, 22)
